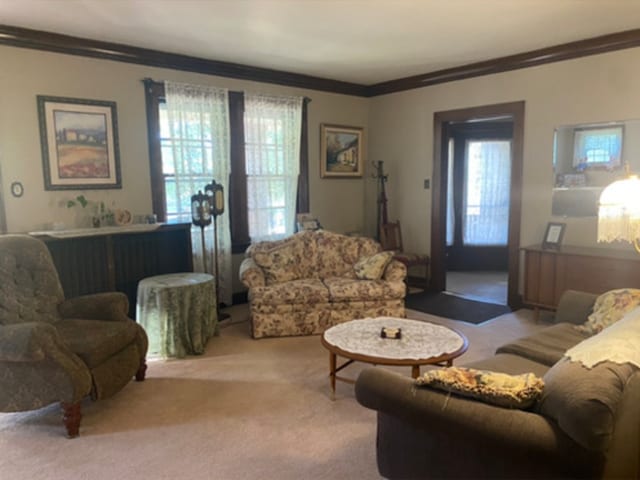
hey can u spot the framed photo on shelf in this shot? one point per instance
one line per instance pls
(341, 151)
(553, 235)
(79, 141)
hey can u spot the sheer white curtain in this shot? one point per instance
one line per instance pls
(486, 203)
(197, 151)
(272, 142)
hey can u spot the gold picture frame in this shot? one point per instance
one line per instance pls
(341, 151)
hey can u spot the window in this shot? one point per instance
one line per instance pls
(597, 147)
(187, 162)
(163, 176)
(272, 148)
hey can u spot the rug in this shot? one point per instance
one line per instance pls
(454, 307)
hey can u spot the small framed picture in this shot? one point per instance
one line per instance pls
(553, 235)
(341, 151)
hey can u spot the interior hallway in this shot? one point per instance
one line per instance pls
(486, 286)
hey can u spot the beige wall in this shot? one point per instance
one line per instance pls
(339, 204)
(587, 90)
(592, 89)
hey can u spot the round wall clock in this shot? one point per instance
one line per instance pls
(17, 189)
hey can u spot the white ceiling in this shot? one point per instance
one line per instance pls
(360, 41)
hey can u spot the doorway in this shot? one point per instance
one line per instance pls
(492, 133)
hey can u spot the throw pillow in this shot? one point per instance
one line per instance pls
(511, 391)
(609, 308)
(372, 268)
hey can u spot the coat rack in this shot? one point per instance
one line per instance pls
(381, 216)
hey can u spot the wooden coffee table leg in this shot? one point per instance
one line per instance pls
(332, 374)
(415, 371)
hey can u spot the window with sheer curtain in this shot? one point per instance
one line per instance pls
(485, 220)
(272, 128)
(194, 138)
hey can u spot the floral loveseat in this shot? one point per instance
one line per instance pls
(313, 280)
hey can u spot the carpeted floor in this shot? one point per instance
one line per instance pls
(454, 307)
(245, 409)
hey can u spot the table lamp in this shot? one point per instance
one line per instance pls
(201, 217)
(619, 212)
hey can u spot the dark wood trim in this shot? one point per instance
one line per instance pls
(154, 94)
(55, 42)
(441, 120)
(557, 53)
(238, 215)
(302, 199)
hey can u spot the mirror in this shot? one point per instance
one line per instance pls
(588, 157)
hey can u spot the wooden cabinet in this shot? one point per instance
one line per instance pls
(548, 273)
(116, 259)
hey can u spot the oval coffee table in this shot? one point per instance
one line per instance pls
(421, 343)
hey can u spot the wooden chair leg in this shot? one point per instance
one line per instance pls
(71, 416)
(142, 370)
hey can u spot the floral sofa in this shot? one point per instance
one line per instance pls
(313, 280)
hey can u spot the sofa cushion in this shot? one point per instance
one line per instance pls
(282, 263)
(372, 268)
(96, 340)
(610, 307)
(337, 254)
(575, 307)
(306, 291)
(348, 290)
(511, 391)
(583, 401)
(546, 346)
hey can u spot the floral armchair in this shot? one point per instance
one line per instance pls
(57, 350)
(313, 280)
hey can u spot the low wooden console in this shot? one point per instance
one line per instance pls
(548, 273)
(116, 259)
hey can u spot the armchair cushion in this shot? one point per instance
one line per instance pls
(95, 340)
(98, 306)
(511, 391)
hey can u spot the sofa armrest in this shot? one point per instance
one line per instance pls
(251, 275)
(112, 306)
(395, 271)
(574, 307)
(469, 420)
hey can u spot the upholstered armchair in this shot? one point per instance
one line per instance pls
(57, 350)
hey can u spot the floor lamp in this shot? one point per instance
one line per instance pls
(201, 217)
(215, 192)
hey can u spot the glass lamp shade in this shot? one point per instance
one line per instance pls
(200, 209)
(216, 196)
(619, 211)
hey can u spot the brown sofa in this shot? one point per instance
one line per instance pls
(306, 283)
(569, 433)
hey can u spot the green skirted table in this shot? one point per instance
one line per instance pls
(178, 312)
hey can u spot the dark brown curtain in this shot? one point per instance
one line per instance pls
(238, 178)
(302, 200)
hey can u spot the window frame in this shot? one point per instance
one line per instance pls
(237, 194)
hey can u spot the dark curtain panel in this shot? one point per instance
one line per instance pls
(302, 200)
(238, 178)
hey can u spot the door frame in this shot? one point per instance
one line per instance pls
(441, 120)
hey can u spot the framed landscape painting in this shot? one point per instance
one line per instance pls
(79, 140)
(341, 151)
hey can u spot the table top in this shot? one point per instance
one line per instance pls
(176, 280)
(420, 342)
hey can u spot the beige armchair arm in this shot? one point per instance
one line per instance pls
(395, 271)
(111, 306)
(251, 275)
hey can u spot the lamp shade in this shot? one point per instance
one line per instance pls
(619, 211)
(200, 210)
(216, 197)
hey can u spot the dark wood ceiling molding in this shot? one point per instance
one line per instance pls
(567, 51)
(55, 42)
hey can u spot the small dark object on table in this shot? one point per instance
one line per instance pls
(393, 333)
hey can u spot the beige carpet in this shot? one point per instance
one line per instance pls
(246, 409)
